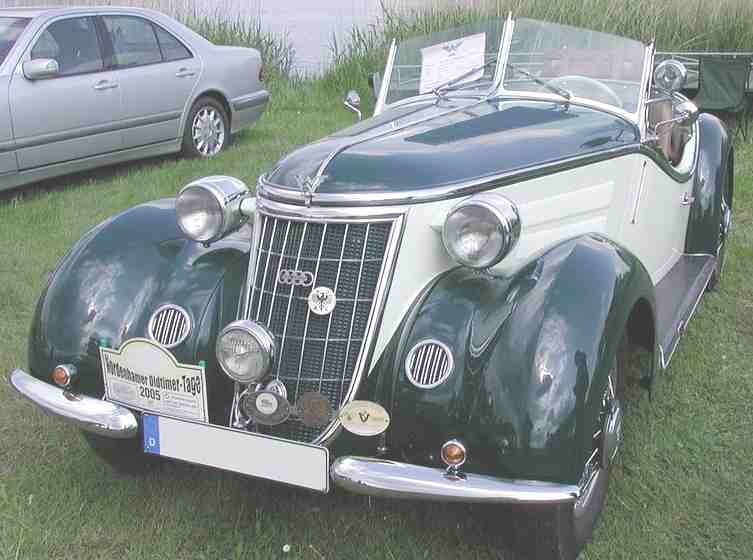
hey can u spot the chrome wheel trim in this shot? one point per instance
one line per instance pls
(607, 441)
(723, 233)
(208, 131)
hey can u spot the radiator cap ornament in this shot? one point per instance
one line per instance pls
(322, 300)
(364, 418)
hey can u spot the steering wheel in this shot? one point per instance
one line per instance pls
(586, 85)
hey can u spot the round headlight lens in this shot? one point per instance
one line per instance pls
(480, 231)
(199, 213)
(245, 351)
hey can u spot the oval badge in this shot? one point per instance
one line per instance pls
(364, 418)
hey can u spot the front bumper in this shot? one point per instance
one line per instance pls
(92, 415)
(361, 475)
(377, 477)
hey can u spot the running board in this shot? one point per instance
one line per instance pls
(677, 296)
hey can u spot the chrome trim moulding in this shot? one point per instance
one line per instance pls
(92, 415)
(390, 479)
(278, 193)
(327, 215)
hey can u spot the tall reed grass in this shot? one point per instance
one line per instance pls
(672, 24)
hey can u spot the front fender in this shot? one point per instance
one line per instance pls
(532, 352)
(117, 275)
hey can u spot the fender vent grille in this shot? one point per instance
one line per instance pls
(429, 364)
(169, 325)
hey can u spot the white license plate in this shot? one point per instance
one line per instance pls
(267, 457)
(145, 376)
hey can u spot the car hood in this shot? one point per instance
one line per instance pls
(425, 146)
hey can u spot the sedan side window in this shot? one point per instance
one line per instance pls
(133, 41)
(172, 49)
(73, 43)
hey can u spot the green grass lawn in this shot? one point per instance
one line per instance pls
(684, 488)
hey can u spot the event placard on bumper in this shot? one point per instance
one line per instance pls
(145, 376)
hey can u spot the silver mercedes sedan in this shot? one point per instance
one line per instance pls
(87, 87)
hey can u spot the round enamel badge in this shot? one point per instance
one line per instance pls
(322, 300)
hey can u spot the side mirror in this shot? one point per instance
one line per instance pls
(688, 112)
(375, 83)
(41, 68)
(353, 102)
(670, 75)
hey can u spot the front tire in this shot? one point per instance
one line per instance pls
(207, 129)
(125, 456)
(559, 532)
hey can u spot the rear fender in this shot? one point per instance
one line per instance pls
(712, 177)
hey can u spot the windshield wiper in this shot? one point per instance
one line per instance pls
(562, 92)
(441, 88)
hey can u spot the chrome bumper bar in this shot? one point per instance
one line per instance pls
(93, 415)
(377, 477)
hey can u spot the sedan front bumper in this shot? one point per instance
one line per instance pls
(92, 415)
(389, 479)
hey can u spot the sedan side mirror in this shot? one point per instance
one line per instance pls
(353, 102)
(41, 68)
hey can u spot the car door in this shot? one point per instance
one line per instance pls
(157, 74)
(659, 204)
(74, 114)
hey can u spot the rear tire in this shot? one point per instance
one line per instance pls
(560, 532)
(207, 129)
(721, 251)
(125, 456)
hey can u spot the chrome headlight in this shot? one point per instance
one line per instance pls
(209, 209)
(481, 230)
(246, 351)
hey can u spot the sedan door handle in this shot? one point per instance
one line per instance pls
(105, 84)
(185, 73)
(687, 200)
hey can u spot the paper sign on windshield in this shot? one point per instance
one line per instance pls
(447, 61)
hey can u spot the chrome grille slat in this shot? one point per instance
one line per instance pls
(355, 303)
(290, 297)
(277, 274)
(329, 320)
(320, 353)
(308, 313)
(266, 267)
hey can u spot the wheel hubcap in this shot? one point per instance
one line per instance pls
(607, 440)
(208, 131)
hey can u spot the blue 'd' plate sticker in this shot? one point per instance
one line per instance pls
(151, 433)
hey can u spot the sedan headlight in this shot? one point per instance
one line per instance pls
(481, 230)
(209, 209)
(246, 351)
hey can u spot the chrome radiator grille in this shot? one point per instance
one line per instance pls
(319, 353)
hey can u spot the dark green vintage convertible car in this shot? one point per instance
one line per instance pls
(441, 302)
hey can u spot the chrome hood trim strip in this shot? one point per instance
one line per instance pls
(273, 192)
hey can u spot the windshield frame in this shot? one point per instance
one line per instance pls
(497, 89)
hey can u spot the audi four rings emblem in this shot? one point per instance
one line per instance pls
(292, 277)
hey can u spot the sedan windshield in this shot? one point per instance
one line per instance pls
(577, 62)
(10, 29)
